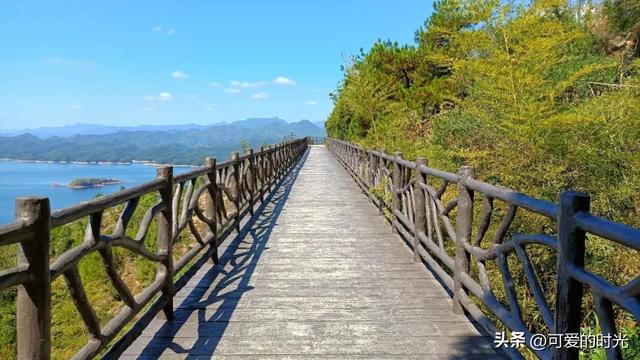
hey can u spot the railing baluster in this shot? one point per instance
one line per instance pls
(211, 204)
(34, 296)
(261, 171)
(571, 249)
(79, 297)
(237, 193)
(395, 188)
(419, 208)
(371, 173)
(252, 176)
(267, 168)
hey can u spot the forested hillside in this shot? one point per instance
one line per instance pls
(540, 96)
(173, 145)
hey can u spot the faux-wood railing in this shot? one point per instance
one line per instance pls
(242, 182)
(461, 256)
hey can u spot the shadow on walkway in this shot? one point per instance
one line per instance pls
(215, 306)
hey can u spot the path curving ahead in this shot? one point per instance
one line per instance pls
(316, 274)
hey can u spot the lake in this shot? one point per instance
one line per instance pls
(31, 178)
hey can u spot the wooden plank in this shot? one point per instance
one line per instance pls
(227, 345)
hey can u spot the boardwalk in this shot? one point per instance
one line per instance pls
(318, 274)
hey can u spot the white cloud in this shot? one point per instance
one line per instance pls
(281, 80)
(246, 84)
(311, 102)
(164, 30)
(163, 96)
(238, 83)
(75, 107)
(149, 108)
(215, 84)
(236, 86)
(260, 96)
(208, 107)
(61, 61)
(179, 74)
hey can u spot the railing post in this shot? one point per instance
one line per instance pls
(571, 249)
(34, 297)
(267, 167)
(252, 183)
(274, 162)
(273, 158)
(372, 168)
(418, 208)
(165, 237)
(381, 176)
(287, 158)
(280, 162)
(362, 171)
(238, 192)
(262, 173)
(211, 210)
(352, 163)
(283, 158)
(464, 222)
(396, 186)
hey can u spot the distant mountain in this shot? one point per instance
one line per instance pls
(259, 122)
(162, 144)
(93, 129)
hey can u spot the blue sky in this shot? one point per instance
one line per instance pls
(178, 62)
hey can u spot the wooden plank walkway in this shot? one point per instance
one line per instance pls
(318, 274)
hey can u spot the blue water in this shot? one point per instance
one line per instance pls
(28, 178)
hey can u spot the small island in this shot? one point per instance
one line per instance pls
(85, 183)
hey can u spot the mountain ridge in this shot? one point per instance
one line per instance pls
(187, 146)
(82, 128)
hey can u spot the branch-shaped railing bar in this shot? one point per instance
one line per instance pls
(209, 201)
(442, 234)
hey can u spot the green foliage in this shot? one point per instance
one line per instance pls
(89, 182)
(533, 94)
(624, 14)
(487, 83)
(631, 352)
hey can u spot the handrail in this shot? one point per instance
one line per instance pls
(317, 140)
(216, 195)
(419, 213)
